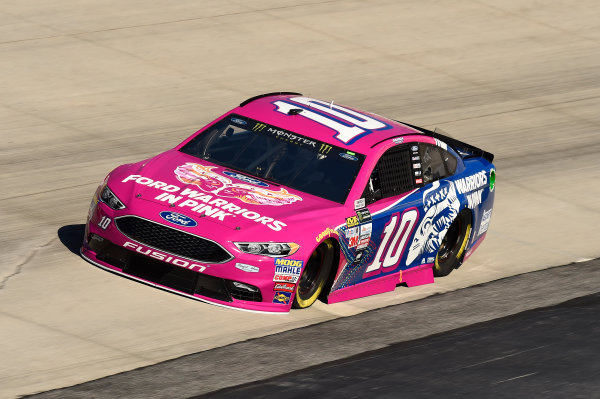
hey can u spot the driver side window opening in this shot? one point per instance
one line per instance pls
(391, 176)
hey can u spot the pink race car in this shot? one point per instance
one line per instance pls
(286, 199)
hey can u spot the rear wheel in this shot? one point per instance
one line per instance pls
(314, 276)
(454, 243)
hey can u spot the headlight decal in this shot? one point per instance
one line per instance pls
(110, 199)
(272, 249)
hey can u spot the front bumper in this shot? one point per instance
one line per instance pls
(110, 249)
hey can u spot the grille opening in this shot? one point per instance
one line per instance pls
(171, 240)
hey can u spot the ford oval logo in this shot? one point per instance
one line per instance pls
(178, 219)
(348, 156)
(246, 179)
(239, 121)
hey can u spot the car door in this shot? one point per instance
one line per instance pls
(375, 240)
(408, 206)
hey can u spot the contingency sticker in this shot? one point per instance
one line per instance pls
(363, 215)
(282, 297)
(287, 270)
(485, 221)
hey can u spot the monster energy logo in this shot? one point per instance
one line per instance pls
(259, 127)
(325, 148)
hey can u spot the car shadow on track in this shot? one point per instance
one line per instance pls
(72, 236)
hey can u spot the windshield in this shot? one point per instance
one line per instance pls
(278, 155)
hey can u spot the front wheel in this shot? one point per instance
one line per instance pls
(453, 245)
(314, 276)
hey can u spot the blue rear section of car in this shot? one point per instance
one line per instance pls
(409, 233)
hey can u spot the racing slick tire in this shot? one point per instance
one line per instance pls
(314, 275)
(452, 249)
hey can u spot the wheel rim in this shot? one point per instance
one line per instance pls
(310, 278)
(314, 276)
(450, 242)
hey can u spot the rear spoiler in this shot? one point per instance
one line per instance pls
(463, 149)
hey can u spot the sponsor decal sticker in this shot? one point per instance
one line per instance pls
(288, 266)
(417, 165)
(352, 236)
(178, 219)
(247, 268)
(363, 215)
(285, 278)
(284, 287)
(290, 137)
(419, 181)
(259, 127)
(352, 221)
(351, 232)
(359, 203)
(239, 121)
(414, 148)
(325, 233)
(418, 173)
(363, 243)
(348, 156)
(325, 148)
(485, 221)
(398, 140)
(282, 297)
(416, 158)
(287, 270)
(245, 178)
(366, 229)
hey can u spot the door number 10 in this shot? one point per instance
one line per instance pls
(395, 237)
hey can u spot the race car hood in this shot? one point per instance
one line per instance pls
(210, 193)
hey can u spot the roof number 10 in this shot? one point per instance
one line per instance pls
(349, 124)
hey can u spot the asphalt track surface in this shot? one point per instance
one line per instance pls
(86, 86)
(544, 353)
(469, 349)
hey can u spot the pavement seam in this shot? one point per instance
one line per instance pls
(19, 268)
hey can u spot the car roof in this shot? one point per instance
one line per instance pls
(310, 117)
